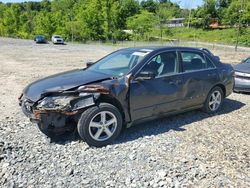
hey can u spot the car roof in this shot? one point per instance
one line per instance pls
(160, 48)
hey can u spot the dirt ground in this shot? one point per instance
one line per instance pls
(224, 150)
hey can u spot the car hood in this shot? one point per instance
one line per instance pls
(242, 67)
(61, 82)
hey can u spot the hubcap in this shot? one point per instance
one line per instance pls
(102, 126)
(215, 100)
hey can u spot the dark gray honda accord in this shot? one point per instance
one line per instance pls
(126, 87)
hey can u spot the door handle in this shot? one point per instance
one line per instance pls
(173, 81)
(178, 81)
(211, 75)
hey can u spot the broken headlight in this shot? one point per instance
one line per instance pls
(66, 103)
(58, 102)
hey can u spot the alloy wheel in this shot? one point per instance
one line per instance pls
(215, 100)
(102, 126)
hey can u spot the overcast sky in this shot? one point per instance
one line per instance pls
(183, 3)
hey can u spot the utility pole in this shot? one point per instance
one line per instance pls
(190, 11)
(239, 26)
(72, 27)
(189, 17)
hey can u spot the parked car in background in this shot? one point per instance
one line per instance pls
(242, 76)
(57, 39)
(40, 39)
(127, 87)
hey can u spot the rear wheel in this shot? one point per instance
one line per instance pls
(100, 125)
(214, 100)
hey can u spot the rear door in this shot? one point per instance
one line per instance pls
(199, 75)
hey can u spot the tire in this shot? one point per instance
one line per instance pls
(100, 125)
(44, 129)
(211, 104)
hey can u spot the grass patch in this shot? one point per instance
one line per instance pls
(224, 36)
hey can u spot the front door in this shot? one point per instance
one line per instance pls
(158, 95)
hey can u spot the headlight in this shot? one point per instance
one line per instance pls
(242, 74)
(58, 102)
(66, 103)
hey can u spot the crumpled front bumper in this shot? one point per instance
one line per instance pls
(55, 120)
(48, 122)
(26, 106)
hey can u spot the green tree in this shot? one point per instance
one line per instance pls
(89, 21)
(44, 24)
(149, 5)
(141, 23)
(202, 16)
(165, 12)
(127, 8)
(238, 12)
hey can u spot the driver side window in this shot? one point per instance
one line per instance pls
(165, 63)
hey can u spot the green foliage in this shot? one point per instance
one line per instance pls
(83, 20)
(141, 23)
(224, 36)
(149, 5)
(203, 15)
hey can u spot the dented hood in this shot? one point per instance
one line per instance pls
(61, 82)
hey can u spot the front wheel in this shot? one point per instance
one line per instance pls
(214, 100)
(100, 125)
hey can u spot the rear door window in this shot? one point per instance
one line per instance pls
(193, 61)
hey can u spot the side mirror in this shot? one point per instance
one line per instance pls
(88, 64)
(217, 58)
(145, 75)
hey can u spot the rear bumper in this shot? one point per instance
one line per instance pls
(58, 42)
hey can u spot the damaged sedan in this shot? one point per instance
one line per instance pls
(126, 87)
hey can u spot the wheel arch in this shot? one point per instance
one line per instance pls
(223, 88)
(112, 100)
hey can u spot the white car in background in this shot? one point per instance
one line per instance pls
(57, 39)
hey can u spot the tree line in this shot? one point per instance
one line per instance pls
(82, 20)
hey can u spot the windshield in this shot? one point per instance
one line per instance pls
(40, 37)
(121, 62)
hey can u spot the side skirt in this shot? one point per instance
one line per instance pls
(163, 115)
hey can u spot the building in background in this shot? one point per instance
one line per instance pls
(175, 22)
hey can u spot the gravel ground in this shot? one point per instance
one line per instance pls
(188, 150)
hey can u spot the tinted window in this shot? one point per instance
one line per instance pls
(192, 61)
(248, 60)
(163, 64)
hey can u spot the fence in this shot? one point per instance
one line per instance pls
(196, 44)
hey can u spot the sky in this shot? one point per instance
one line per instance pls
(182, 3)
